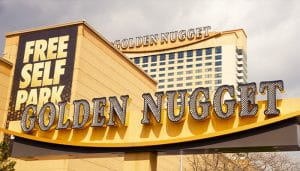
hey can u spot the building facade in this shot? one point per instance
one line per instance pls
(209, 61)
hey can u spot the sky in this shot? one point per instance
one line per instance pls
(271, 25)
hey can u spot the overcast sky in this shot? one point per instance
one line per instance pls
(272, 26)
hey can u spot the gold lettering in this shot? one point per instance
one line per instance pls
(59, 70)
(28, 51)
(62, 46)
(25, 74)
(37, 74)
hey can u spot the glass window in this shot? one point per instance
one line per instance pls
(161, 86)
(189, 66)
(219, 49)
(171, 56)
(189, 84)
(189, 60)
(145, 59)
(161, 81)
(137, 60)
(199, 52)
(153, 64)
(179, 78)
(171, 62)
(153, 76)
(161, 75)
(189, 78)
(189, 72)
(171, 79)
(218, 81)
(218, 57)
(145, 65)
(218, 63)
(198, 82)
(153, 70)
(189, 53)
(146, 70)
(162, 69)
(208, 64)
(162, 57)
(171, 68)
(179, 85)
(208, 82)
(162, 63)
(198, 59)
(179, 73)
(180, 61)
(208, 51)
(198, 65)
(198, 76)
(208, 69)
(208, 58)
(180, 55)
(171, 74)
(179, 67)
(170, 85)
(198, 70)
(208, 76)
(153, 58)
(218, 75)
(218, 69)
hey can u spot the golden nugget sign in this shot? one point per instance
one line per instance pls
(163, 38)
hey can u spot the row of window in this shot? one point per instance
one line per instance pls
(217, 57)
(217, 69)
(180, 55)
(217, 82)
(217, 75)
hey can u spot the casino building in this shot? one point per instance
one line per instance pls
(209, 60)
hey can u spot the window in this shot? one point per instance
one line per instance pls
(171, 62)
(198, 65)
(208, 76)
(218, 81)
(218, 75)
(161, 86)
(180, 61)
(218, 69)
(199, 52)
(219, 49)
(208, 51)
(189, 66)
(153, 76)
(162, 69)
(153, 64)
(189, 53)
(179, 85)
(189, 72)
(179, 78)
(218, 63)
(137, 60)
(208, 58)
(189, 60)
(153, 58)
(189, 84)
(189, 78)
(161, 75)
(199, 83)
(146, 70)
(180, 55)
(162, 63)
(171, 68)
(179, 73)
(218, 57)
(170, 85)
(161, 81)
(198, 76)
(145, 65)
(198, 59)
(145, 59)
(170, 79)
(208, 69)
(171, 74)
(198, 70)
(162, 57)
(208, 64)
(179, 67)
(153, 70)
(171, 56)
(208, 82)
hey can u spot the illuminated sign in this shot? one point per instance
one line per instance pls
(162, 38)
